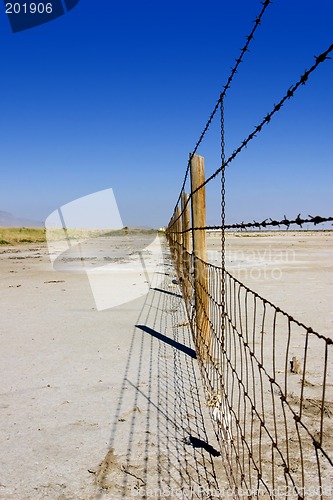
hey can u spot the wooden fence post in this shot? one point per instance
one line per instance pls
(200, 257)
(178, 242)
(186, 225)
(172, 238)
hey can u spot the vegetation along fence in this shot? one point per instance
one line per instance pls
(275, 433)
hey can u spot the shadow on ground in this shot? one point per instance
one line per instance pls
(162, 444)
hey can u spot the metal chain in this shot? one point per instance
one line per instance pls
(223, 309)
(277, 107)
(222, 186)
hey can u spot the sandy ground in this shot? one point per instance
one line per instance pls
(293, 269)
(98, 404)
(108, 403)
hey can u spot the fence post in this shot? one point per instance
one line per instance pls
(186, 224)
(200, 256)
(172, 238)
(178, 243)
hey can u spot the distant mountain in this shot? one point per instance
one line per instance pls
(10, 220)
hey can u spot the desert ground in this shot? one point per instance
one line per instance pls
(293, 271)
(102, 398)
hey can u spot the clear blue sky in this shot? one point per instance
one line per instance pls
(116, 93)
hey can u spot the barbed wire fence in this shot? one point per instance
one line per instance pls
(274, 428)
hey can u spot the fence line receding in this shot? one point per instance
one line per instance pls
(272, 411)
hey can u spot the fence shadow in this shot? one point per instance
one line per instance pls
(162, 444)
(177, 345)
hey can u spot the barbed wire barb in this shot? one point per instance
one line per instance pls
(290, 93)
(273, 427)
(224, 91)
(299, 221)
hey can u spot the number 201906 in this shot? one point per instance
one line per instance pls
(32, 8)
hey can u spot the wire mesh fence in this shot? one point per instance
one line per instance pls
(271, 406)
(272, 410)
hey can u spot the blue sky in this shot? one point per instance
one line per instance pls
(116, 94)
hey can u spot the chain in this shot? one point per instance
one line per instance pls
(223, 308)
(222, 185)
(290, 93)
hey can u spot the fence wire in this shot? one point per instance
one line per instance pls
(271, 406)
(265, 121)
(298, 221)
(273, 410)
(233, 72)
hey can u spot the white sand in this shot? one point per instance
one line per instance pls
(81, 387)
(76, 382)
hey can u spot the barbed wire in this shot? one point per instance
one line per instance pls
(290, 93)
(317, 219)
(277, 107)
(246, 348)
(283, 222)
(234, 69)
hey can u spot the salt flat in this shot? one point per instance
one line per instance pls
(108, 403)
(293, 269)
(98, 404)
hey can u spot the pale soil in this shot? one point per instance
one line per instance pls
(109, 404)
(292, 270)
(91, 405)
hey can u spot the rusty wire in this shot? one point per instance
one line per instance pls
(277, 107)
(234, 69)
(272, 410)
(290, 93)
(299, 221)
(268, 415)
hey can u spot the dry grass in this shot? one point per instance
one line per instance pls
(21, 235)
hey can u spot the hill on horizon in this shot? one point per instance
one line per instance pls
(9, 220)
